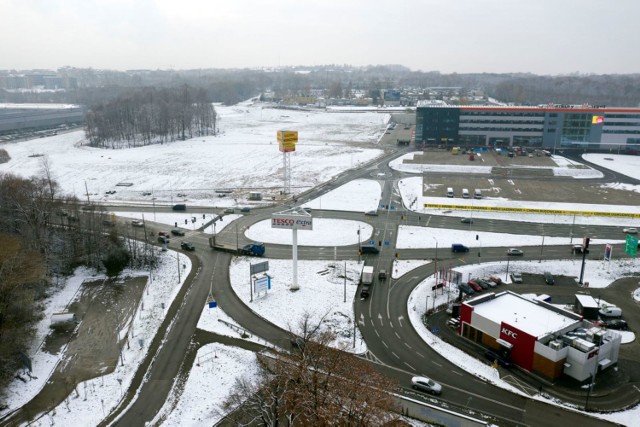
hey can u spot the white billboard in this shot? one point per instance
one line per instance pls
(292, 221)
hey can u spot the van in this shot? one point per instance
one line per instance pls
(477, 194)
(180, 207)
(465, 193)
(369, 249)
(450, 192)
(459, 247)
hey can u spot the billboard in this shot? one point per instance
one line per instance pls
(608, 249)
(291, 222)
(631, 245)
(287, 140)
(597, 120)
(288, 136)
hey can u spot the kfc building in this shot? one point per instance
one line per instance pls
(538, 336)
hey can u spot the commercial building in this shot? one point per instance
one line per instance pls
(20, 117)
(549, 126)
(539, 337)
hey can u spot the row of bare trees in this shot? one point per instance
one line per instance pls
(316, 385)
(150, 115)
(44, 236)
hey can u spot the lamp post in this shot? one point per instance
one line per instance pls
(435, 268)
(359, 245)
(154, 209)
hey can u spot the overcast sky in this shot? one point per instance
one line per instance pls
(539, 36)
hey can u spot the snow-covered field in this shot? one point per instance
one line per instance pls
(245, 154)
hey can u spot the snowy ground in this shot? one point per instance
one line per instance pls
(227, 161)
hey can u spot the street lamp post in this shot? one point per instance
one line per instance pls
(435, 268)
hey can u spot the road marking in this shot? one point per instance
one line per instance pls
(420, 354)
(380, 318)
(385, 344)
(436, 363)
(410, 367)
(376, 331)
(397, 357)
(428, 221)
(407, 345)
(457, 373)
(400, 319)
(397, 335)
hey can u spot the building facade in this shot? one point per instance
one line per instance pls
(547, 127)
(538, 336)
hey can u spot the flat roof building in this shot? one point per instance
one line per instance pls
(547, 126)
(538, 336)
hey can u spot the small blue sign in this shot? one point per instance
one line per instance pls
(391, 207)
(386, 243)
(213, 304)
(372, 242)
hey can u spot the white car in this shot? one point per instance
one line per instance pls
(630, 230)
(426, 384)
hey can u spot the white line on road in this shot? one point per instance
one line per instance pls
(385, 344)
(397, 357)
(420, 354)
(436, 363)
(457, 373)
(407, 345)
(397, 335)
(376, 331)
(410, 367)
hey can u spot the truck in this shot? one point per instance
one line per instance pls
(250, 249)
(366, 279)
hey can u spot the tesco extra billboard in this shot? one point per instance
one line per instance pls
(291, 222)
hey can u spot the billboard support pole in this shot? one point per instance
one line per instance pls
(294, 249)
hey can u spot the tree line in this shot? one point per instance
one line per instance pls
(44, 236)
(150, 115)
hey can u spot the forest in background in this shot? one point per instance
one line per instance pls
(230, 86)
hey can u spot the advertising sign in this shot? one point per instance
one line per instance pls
(291, 221)
(262, 284)
(608, 249)
(288, 136)
(286, 147)
(631, 246)
(597, 120)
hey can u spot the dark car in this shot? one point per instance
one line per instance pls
(466, 289)
(467, 220)
(370, 249)
(245, 210)
(493, 356)
(180, 207)
(578, 249)
(474, 286)
(177, 232)
(163, 239)
(618, 324)
(482, 283)
(548, 278)
(187, 246)
(487, 282)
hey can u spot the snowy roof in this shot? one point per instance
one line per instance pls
(587, 301)
(524, 314)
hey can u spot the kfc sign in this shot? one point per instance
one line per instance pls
(509, 333)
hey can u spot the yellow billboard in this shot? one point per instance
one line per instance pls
(288, 136)
(286, 147)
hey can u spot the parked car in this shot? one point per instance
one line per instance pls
(426, 384)
(467, 220)
(618, 324)
(516, 277)
(474, 286)
(177, 232)
(630, 230)
(493, 356)
(137, 223)
(488, 282)
(515, 252)
(466, 289)
(496, 280)
(484, 284)
(548, 278)
(610, 311)
(187, 246)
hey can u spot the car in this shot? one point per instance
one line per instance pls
(245, 210)
(493, 357)
(163, 233)
(179, 207)
(579, 249)
(474, 286)
(146, 193)
(466, 289)
(163, 239)
(426, 384)
(369, 249)
(137, 223)
(548, 278)
(630, 230)
(484, 284)
(515, 252)
(229, 211)
(618, 324)
(187, 246)
(459, 247)
(496, 280)
(177, 232)
(610, 311)
(467, 220)
(182, 195)
(307, 209)
(382, 274)
(371, 213)
(516, 277)
(297, 343)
